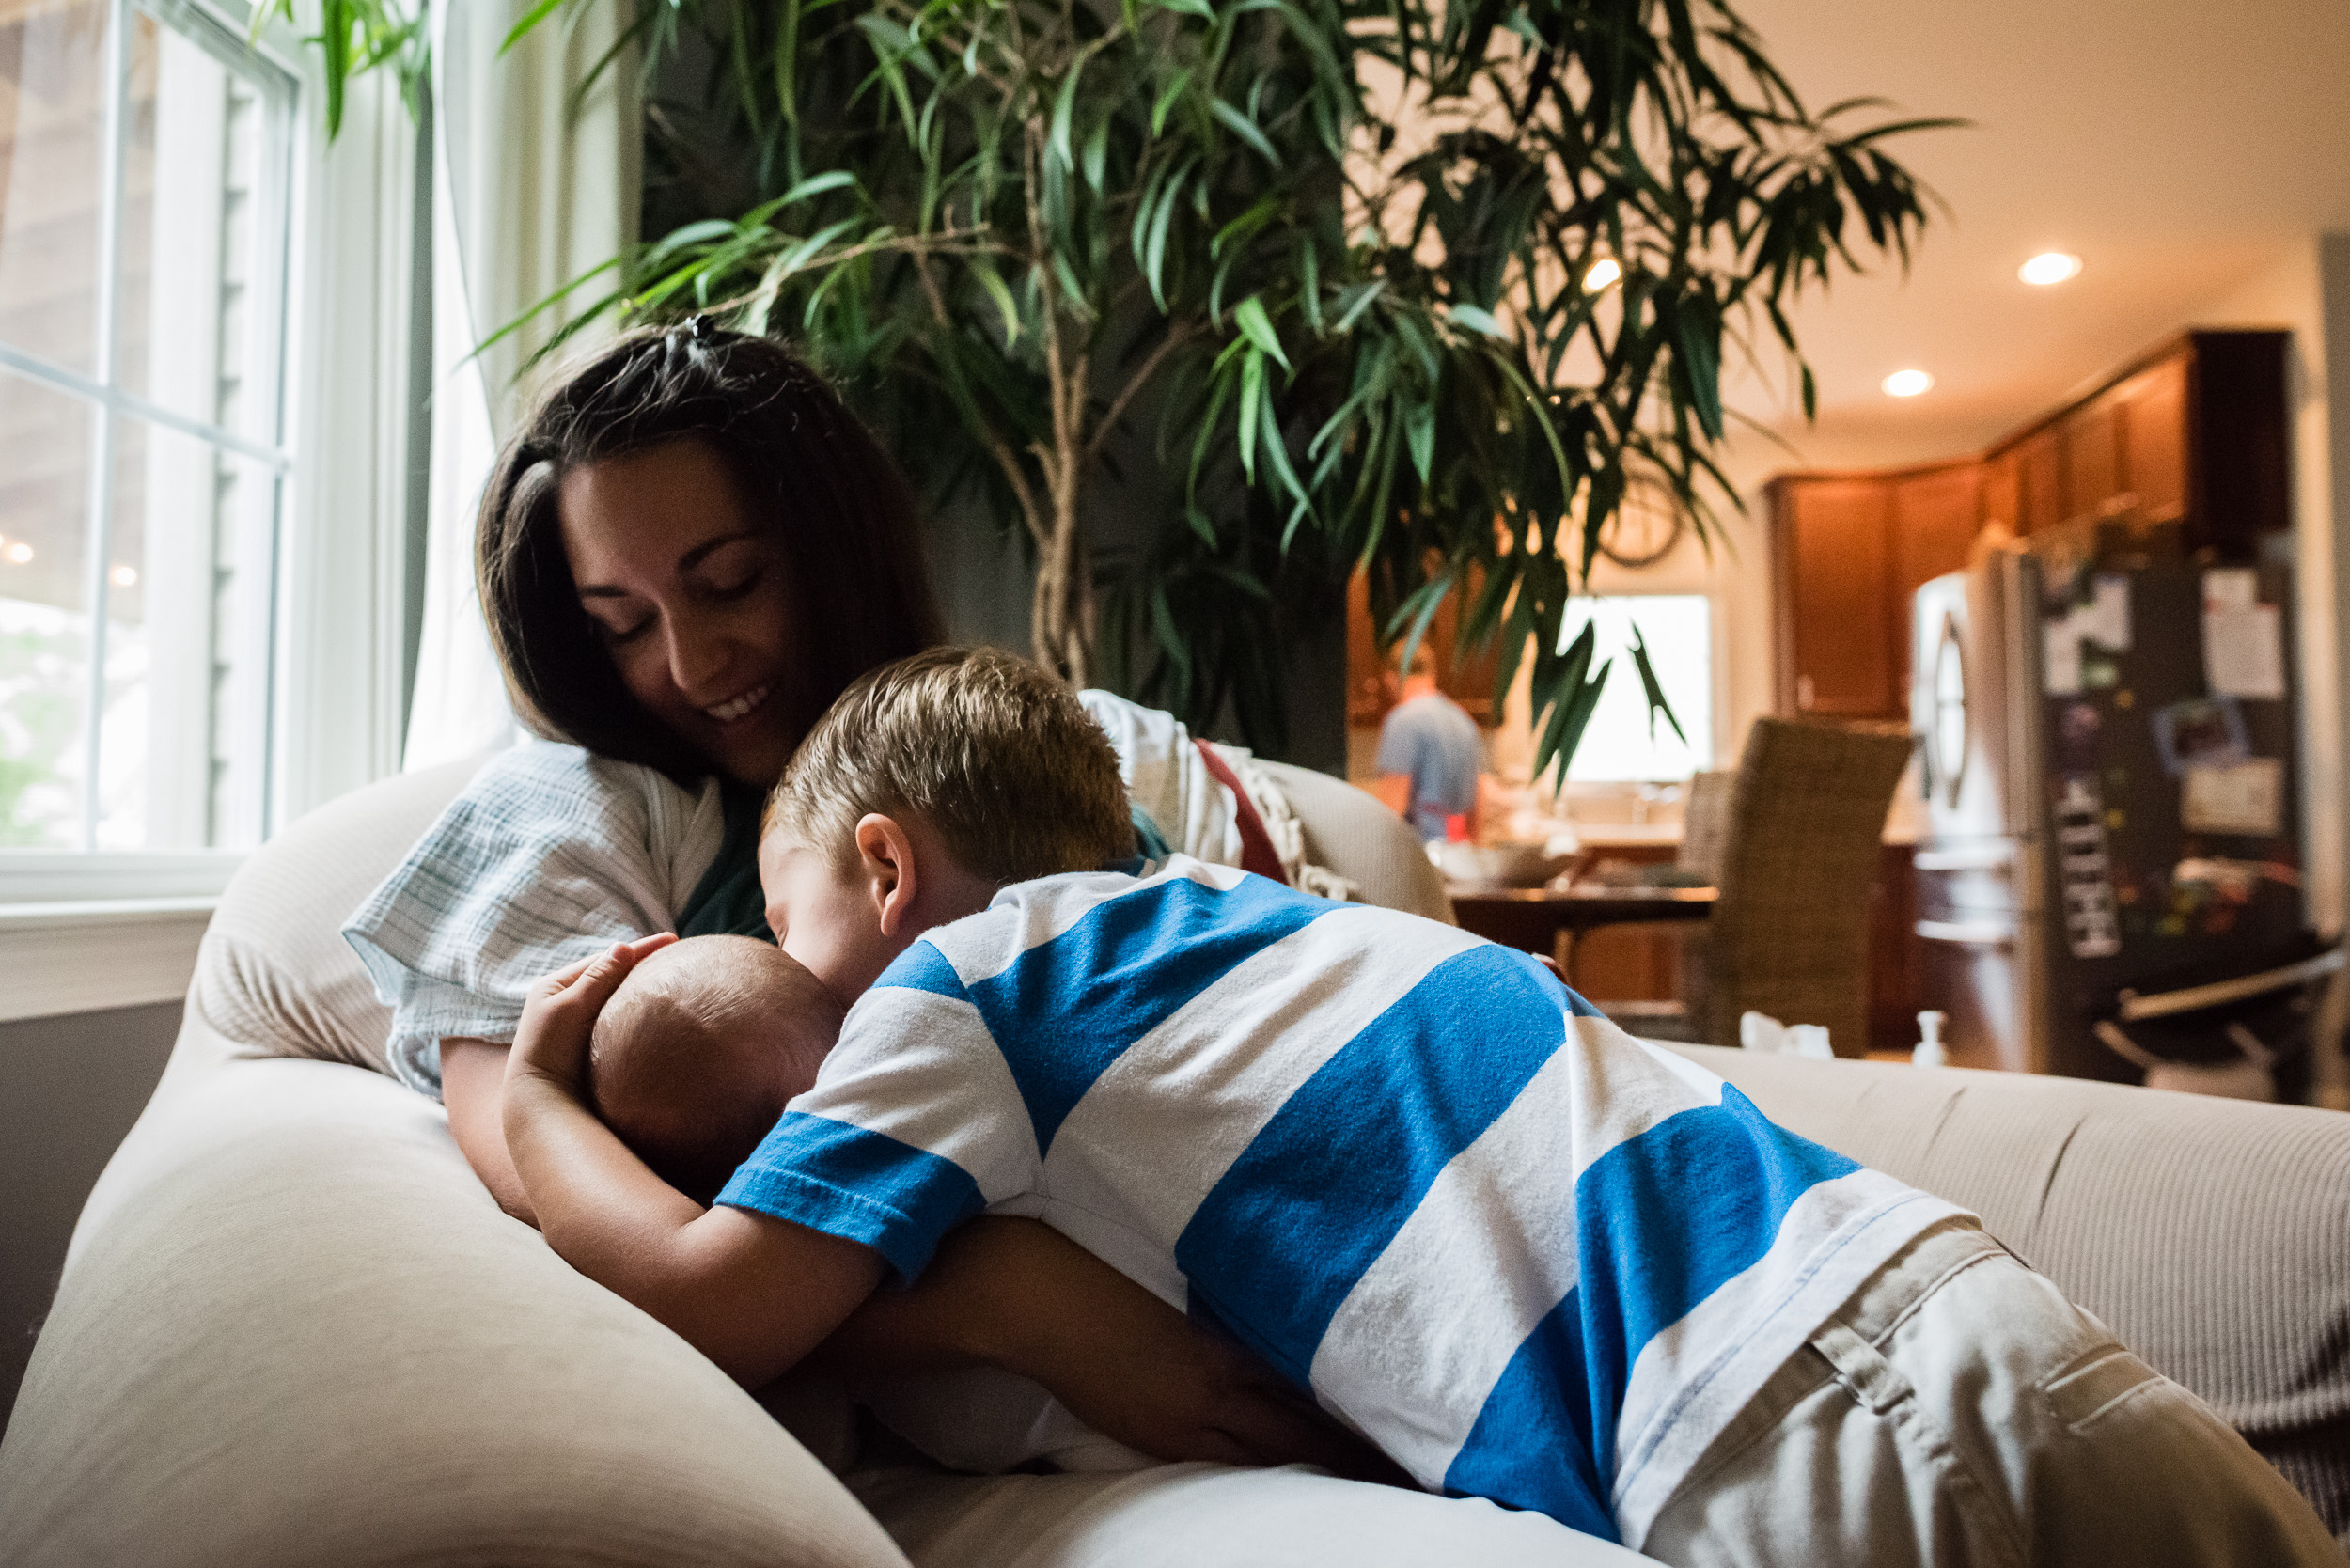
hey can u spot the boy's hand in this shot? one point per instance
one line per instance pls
(559, 1018)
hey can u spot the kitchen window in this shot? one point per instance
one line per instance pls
(1620, 746)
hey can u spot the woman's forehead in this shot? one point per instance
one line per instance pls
(652, 512)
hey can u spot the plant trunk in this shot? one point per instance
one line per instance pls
(1060, 619)
(1061, 616)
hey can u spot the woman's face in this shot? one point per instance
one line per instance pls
(687, 590)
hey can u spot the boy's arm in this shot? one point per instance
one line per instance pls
(753, 1293)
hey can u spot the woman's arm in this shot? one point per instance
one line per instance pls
(1017, 1295)
(471, 1072)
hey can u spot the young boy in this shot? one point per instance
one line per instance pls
(1530, 1258)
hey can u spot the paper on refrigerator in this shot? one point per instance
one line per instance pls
(2244, 652)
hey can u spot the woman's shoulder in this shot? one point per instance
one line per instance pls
(544, 785)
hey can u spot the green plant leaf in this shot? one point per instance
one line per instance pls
(1419, 429)
(1475, 320)
(1653, 689)
(1249, 315)
(814, 185)
(1251, 393)
(1167, 100)
(997, 290)
(1064, 107)
(1245, 129)
(531, 18)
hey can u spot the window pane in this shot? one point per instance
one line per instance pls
(53, 115)
(197, 328)
(45, 440)
(184, 744)
(1618, 746)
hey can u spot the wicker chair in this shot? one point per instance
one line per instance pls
(1704, 824)
(1792, 843)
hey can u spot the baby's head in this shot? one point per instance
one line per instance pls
(695, 1054)
(973, 765)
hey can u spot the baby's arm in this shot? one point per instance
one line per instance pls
(753, 1293)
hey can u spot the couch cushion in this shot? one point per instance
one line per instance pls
(274, 975)
(304, 1334)
(2213, 1236)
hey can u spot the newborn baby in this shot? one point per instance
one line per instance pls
(695, 1055)
(691, 1064)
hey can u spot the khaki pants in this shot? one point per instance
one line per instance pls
(1959, 1411)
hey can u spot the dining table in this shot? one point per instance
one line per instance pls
(1546, 920)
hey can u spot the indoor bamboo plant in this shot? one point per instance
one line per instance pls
(1420, 287)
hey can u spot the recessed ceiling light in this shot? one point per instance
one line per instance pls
(2053, 266)
(1908, 383)
(20, 552)
(1601, 273)
(124, 576)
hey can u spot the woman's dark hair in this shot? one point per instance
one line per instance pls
(840, 514)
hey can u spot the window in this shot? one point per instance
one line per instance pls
(1619, 746)
(146, 161)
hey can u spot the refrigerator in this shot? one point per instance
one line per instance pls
(2108, 755)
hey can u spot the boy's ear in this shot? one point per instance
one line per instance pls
(887, 867)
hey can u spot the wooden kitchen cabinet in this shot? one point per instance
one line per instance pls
(1935, 518)
(1833, 563)
(2154, 439)
(1849, 550)
(2091, 439)
(2040, 466)
(2192, 434)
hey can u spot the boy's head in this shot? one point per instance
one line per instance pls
(695, 1056)
(931, 783)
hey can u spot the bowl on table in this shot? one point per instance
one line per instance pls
(1466, 865)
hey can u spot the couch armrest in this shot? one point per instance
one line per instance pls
(1356, 837)
(295, 1330)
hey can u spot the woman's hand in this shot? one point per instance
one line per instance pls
(1018, 1295)
(560, 1017)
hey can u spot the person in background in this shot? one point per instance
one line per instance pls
(1429, 755)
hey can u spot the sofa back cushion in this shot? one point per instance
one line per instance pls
(2213, 1236)
(275, 976)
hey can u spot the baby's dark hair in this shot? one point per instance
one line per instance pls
(997, 756)
(802, 465)
(695, 1056)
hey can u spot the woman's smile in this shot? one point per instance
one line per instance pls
(735, 707)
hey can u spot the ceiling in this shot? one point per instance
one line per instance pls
(2180, 148)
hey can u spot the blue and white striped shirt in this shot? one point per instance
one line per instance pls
(1534, 1259)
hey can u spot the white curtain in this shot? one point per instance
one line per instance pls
(528, 194)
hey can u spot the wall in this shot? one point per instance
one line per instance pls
(2308, 291)
(75, 1084)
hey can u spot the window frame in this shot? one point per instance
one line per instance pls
(351, 401)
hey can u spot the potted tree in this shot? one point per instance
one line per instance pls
(1425, 288)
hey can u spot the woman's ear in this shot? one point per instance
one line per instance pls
(888, 870)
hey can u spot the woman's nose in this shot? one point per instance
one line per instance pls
(697, 661)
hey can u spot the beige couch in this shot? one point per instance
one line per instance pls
(293, 1329)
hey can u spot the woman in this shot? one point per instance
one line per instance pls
(685, 552)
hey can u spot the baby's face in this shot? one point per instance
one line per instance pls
(828, 922)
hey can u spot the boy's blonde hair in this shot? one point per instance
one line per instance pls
(996, 756)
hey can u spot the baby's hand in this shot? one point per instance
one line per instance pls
(550, 1041)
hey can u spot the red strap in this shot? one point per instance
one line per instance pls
(1256, 845)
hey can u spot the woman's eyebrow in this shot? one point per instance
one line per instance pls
(685, 563)
(695, 557)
